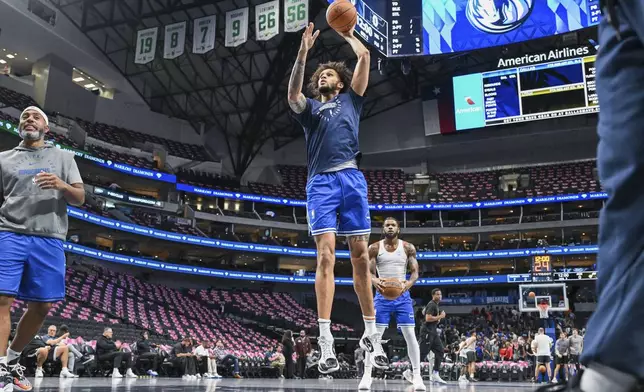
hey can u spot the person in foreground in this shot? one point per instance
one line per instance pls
(620, 160)
(336, 192)
(37, 180)
(389, 259)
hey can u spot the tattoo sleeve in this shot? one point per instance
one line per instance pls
(413, 262)
(373, 254)
(296, 99)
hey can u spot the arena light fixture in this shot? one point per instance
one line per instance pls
(2, 61)
(78, 79)
(10, 56)
(89, 85)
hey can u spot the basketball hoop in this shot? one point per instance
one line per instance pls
(543, 310)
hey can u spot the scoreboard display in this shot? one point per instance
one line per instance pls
(429, 27)
(533, 92)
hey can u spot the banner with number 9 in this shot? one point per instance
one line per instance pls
(236, 27)
(267, 18)
(296, 15)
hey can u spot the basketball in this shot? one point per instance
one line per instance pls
(542, 369)
(393, 288)
(341, 16)
(531, 294)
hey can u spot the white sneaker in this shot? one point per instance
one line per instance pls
(116, 374)
(435, 377)
(198, 375)
(185, 377)
(65, 373)
(372, 345)
(365, 382)
(328, 362)
(463, 379)
(130, 374)
(419, 385)
(39, 373)
(216, 376)
(408, 375)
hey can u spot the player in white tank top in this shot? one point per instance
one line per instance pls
(390, 258)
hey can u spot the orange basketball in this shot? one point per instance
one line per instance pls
(341, 16)
(392, 288)
(531, 294)
(542, 369)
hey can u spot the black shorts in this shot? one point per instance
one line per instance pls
(574, 359)
(561, 360)
(543, 359)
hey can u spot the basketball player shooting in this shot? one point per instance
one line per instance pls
(37, 181)
(389, 259)
(336, 188)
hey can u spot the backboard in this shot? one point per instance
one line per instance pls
(552, 293)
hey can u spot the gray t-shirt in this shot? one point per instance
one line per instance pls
(25, 208)
(575, 344)
(563, 345)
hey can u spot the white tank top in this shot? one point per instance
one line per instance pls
(392, 264)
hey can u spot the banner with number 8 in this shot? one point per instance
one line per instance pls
(236, 27)
(296, 15)
(175, 39)
(267, 18)
(146, 45)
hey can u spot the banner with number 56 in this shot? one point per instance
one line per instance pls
(296, 15)
(267, 18)
(236, 27)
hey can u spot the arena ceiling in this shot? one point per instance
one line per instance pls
(241, 91)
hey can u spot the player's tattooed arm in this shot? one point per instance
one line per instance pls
(373, 254)
(296, 99)
(410, 250)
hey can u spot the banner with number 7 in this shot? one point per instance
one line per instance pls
(204, 32)
(296, 15)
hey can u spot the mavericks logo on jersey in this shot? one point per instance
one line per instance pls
(330, 109)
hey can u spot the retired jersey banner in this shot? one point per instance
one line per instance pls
(174, 41)
(204, 34)
(296, 15)
(267, 18)
(236, 27)
(146, 45)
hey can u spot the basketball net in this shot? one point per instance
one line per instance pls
(543, 310)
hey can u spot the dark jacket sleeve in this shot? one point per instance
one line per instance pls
(104, 346)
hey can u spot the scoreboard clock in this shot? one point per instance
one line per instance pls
(542, 268)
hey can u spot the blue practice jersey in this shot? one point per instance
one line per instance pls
(331, 131)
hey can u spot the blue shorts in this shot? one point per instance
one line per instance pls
(403, 306)
(32, 267)
(337, 203)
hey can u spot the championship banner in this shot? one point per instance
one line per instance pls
(236, 27)
(204, 33)
(146, 45)
(174, 41)
(296, 15)
(267, 18)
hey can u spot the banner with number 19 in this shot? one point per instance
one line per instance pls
(146, 45)
(296, 15)
(236, 27)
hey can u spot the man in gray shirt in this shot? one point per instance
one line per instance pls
(562, 349)
(576, 347)
(37, 181)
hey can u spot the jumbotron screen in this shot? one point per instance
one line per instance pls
(539, 91)
(426, 27)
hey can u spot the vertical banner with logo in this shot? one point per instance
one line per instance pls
(296, 15)
(204, 34)
(236, 27)
(174, 41)
(267, 18)
(146, 45)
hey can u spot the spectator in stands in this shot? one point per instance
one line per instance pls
(184, 360)
(107, 350)
(289, 348)
(144, 352)
(302, 349)
(208, 360)
(226, 359)
(278, 360)
(53, 351)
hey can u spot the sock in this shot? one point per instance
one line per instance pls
(369, 325)
(599, 378)
(12, 355)
(3, 360)
(412, 348)
(325, 328)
